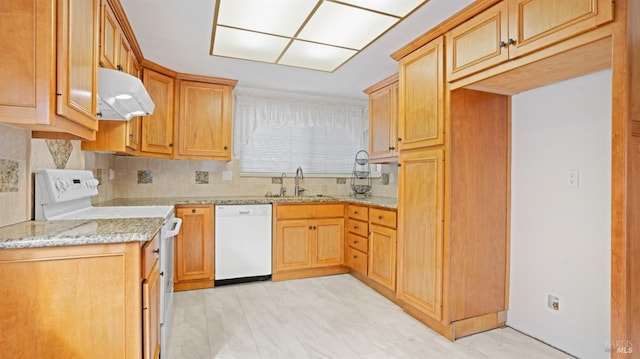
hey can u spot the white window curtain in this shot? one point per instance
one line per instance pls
(278, 132)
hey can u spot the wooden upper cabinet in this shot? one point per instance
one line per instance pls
(49, 67)
(420, 230)
(421, 97)
(124, 55)
(109, 37)
(476, 44)
(157, 129)
(513, 28)
(383, 120)
(203, 127)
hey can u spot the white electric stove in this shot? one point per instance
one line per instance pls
(66, 194)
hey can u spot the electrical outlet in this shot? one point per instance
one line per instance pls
(553, 302)
(573, 178)
(227, 175)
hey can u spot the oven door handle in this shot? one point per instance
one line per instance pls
(176, 224)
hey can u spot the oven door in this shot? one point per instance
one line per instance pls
(169, 230)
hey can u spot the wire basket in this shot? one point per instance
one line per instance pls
(361, 176)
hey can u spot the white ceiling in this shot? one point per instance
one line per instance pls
(177, 34)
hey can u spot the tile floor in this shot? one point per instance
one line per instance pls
(326, 317)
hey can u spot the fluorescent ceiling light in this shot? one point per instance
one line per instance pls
(313, 34)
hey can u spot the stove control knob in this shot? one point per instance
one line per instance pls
(59, 185)
(93, 183)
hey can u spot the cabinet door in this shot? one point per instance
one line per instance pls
(194, 244)
(421, 95)
(382, 256)
(534, 24)
(151, 312)
(329, 242)
(134, 125)
(157, 129)
(420, 236)
(292, 244)
(77, 62)
(109, 37)
(477, 43)
(381, 117)
(204, 121)
(124, 54)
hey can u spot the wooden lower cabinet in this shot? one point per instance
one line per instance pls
(83, 301)
(382, 255)
(151, 300)
(193, 259)
(308, 240)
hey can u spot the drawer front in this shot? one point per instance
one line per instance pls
(309, 211)
(358, 212)
(358, 242)
(357, 260)
(382, 217)
(358, 227)
(150, 254)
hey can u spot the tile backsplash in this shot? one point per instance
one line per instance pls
(15, 178)
(137, 177)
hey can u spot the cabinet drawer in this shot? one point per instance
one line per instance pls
(358, 227)
(357, 260)
(358, 242)
(382, 217)
(358, 212)
(310, 211)
(150, 255)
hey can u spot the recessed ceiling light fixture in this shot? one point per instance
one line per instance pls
(312, 34)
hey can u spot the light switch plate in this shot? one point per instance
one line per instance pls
(573, 178)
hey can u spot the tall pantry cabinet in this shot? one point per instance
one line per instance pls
(452, 200)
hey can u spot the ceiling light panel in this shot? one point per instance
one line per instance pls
(399, 8)
(248, 45)
(280, 17)
(315, 56)
(345, 26)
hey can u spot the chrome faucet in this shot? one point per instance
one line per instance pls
(283, 190)
(299, 176)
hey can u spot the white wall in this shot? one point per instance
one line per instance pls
(560, 236)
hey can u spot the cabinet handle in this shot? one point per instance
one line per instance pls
(511, 42)
(225, 148)
(391, 148)
(99, 113)
(310, 227)
(193, 210)
(355, 212)
(380, 217)
(131, 136)
(400, 139)
(355, 257)
(502, 44)
(355, 242)
(171, 145)
(314, 227)
(355, 227)
(156, 251)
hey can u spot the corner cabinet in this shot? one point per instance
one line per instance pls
(513, 28)
(383, 120)
(421, 97)
(157, 128)
(194, 246)
(203, 126)
(50, 66)
(308, 240)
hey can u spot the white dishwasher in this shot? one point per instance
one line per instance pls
(242, 243)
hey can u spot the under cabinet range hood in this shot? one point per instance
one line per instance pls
(121, 96)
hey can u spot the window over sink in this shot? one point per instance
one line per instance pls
(279, 132)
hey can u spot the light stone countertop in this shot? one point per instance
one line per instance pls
(33, 234)
(385, 202)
